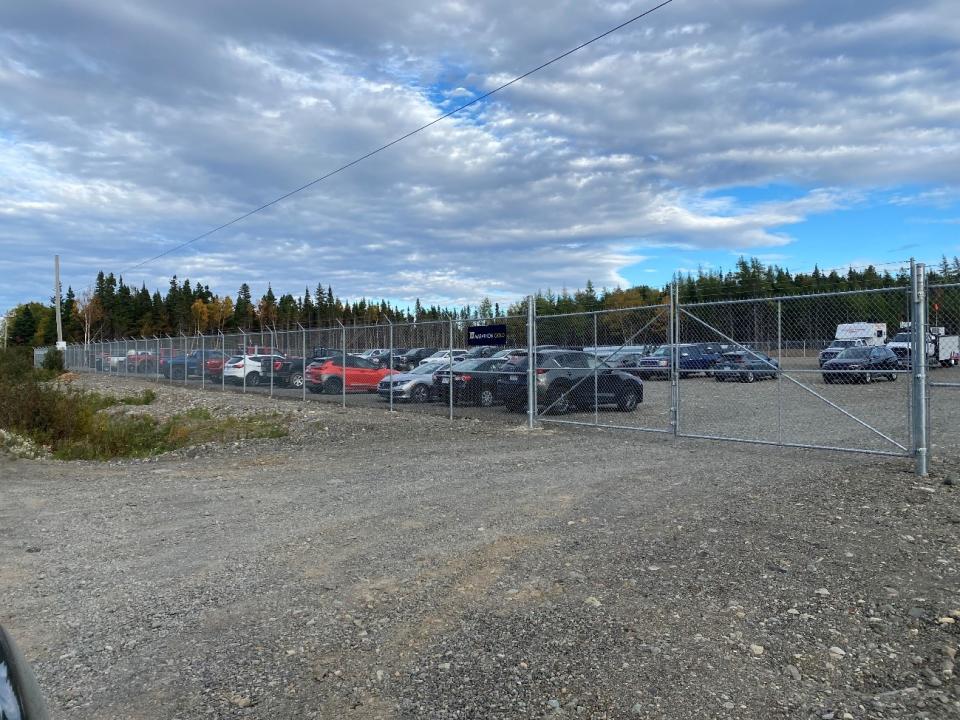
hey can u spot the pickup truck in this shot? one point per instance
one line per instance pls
(286, 371)
(193, 363)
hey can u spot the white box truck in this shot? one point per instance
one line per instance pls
(942, 350)
(856, 334)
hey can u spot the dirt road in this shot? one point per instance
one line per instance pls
(378, 566)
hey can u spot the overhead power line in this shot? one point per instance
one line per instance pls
(400, 139)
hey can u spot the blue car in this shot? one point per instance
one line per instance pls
(746, 366)
(693, 358)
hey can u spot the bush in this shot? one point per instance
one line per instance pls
(53, 360)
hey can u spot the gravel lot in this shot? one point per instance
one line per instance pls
(400, 566)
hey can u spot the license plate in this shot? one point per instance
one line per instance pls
(445, 380)
(514, 378)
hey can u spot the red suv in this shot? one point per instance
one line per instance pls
(328, 375)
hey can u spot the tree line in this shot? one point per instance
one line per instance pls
(112, 309)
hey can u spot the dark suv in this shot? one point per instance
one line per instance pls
(565, 381)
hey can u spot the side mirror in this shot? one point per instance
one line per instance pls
(20, 697)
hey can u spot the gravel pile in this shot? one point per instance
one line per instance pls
(378, 566)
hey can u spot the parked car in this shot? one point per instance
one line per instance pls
(692, 359)
(836, 347)
(861, 364)
(193, 363)
(481, 351)
(142, 362)
(745, 366)
(355, 374)
(250, 367)
(417, 385)
(517, 352)
(474, 381)
(286, 371)
(412, 357)
(444, 356)
(564, 379)
(214, 367)
(628, 362)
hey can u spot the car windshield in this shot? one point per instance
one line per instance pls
(427, 368)
(662, 351)
(901, 338)
(471, 364)
(854, 352)
(843, 343)
(235, 359)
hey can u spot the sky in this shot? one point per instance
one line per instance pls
(816, 133)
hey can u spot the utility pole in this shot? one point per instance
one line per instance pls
(56, 295)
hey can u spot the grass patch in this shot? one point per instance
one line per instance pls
(70, 422)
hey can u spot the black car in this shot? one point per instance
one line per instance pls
(861, 364)
(565, 381)
(474, 381)
(411, 358)
(745, 366)
(481, 351)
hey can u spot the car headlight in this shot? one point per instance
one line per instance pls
(854, 367)
(663, 363)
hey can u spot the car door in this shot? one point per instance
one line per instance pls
(367, 375)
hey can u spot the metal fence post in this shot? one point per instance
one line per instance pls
(223, 365)
(450, 371)
(183, 335)
(273, 346)
(674, 320)
(780, 372)
(203, 362)
(343, 364)
(596, 397)
(531, 361)
(390, 358)
(918, 364)
(303, 371)
(243, 360)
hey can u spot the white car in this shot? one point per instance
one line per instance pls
(238, 366)
(444, 356)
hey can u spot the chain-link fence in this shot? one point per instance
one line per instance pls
(831, 371)
(942, 348)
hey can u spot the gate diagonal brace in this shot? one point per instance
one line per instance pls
(802, 385)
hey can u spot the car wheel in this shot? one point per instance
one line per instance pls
(253, 379)
(420, 394)
(333, 386)
(486, 398)
(558, 401)
(749, 377)
(892, 377)
(296, 380)
(867, 378)
(627, 402)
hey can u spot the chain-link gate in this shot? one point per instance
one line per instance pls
(741, 377)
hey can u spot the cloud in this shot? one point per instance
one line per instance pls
(126, 130)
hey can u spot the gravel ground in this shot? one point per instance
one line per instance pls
(400, 566)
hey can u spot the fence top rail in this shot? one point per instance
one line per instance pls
(937, 286)
(608, 311)
(809, 296)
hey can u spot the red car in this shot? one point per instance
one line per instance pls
(214, 367)
(328, 375)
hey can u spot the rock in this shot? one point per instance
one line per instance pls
(822, 592)
(637, 709)
(951, 479)
(756, 650)
(793, 672)
(592, 601)
(837, 652)
(241, 701)
(916, 612)
(946, 620)
(553, 702)
(442, 666)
